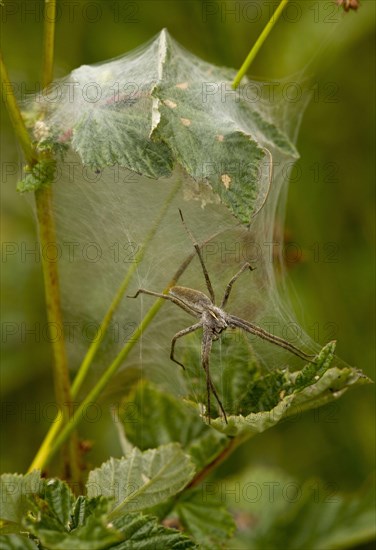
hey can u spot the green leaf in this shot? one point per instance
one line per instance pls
(313, 371)
(273, 397)
(88, 530)
(16, 542)
(161, 105)
(39, 175)
(162, 418)
(85, 507)
(144, 533)
(141, 480)
(60, 500)
(206, 518)
(60, 523)
(263, 125)
(119, 135)
(15, 490)
(212, 130)
(275, 511)
(213, 149)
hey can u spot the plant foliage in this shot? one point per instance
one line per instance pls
(158, 106)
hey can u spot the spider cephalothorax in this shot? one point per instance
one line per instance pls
(198, 304)
(213, 319)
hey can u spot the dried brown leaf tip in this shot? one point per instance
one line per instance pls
(349, 4)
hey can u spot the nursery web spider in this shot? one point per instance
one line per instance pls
(213, 319)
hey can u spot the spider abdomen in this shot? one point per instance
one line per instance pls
(195, 300)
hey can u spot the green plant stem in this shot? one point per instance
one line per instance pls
(233, 444)
(49, 41)
(200, 476)
(47, 235)
(259, 42)
(98, 388)
(15, 116)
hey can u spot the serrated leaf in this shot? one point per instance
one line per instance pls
(161, 105)
(207, 132)
(106, 137)
(141, 480)
(214, 150)
(261, 125)
(85, 507)
(16, 542)
(90, 530)
(60, 500)
(200, 509)
(15, 490)
(162, 419)
(280, 394)
(313, 371)
(144, 533)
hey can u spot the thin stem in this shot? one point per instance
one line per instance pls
(259, 42)
(97, 390)
(46, 231)
(221, 457)
(233, 444)
(49, 41)
(41, 458)
(15, 116)
(47, 235)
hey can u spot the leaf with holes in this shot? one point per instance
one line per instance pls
(160, 105)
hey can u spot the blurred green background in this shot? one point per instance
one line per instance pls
(330, 210)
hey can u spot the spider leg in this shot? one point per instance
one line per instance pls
(261, 333)
(158, 294)
(207, 341)
(229, 286)
(166, 297)
(197, 248)
(179, 334)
